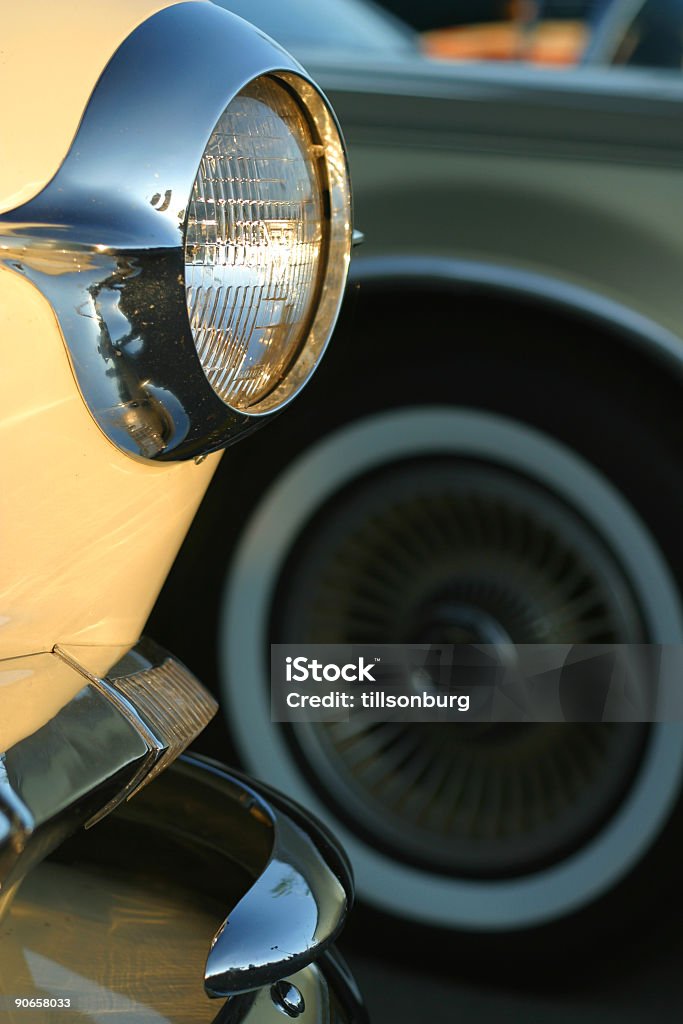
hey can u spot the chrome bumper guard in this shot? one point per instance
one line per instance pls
(210, 830)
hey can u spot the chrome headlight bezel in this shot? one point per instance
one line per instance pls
(331, 175)
(104, 241)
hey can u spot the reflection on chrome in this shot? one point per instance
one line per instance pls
(144, 710)
(120, 919)
(105, 240)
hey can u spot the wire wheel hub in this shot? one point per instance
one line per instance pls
(455, 551)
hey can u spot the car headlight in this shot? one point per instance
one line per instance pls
(195, 242)
(268, 230)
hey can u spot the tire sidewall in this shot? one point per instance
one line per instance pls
(244, 615)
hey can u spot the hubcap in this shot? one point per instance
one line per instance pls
(453, 551)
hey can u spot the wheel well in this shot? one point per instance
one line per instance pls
(432, 318)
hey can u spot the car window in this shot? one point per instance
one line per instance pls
(545, 32)
(570, 33)
(639, 33)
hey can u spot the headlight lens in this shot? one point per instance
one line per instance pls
(267, 224)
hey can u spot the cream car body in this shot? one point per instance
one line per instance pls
(88, 534)
(110, 431)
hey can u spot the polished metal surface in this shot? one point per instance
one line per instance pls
(119, 730)
(268, 238)
(287, 881)
(312, 996)
(237, 842)
(293, 911)
(288, 998)
(348, 25)
(104, 240)
(119, 919)
(163, 699)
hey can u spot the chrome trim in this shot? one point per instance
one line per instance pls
(102, 747)
(287, 880)
(104, 241)
(336, 246)
(436, 273)
(326, 992)
(161, 698)
(205, 837)
(302, 896)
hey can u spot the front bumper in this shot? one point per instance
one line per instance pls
(211, 839)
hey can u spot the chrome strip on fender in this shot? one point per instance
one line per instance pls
(99, 749)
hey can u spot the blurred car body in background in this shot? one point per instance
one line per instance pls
(543, 33)
(645, 33)
(490, 453)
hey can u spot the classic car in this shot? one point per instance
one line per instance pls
(175, 229)
(490, 453)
